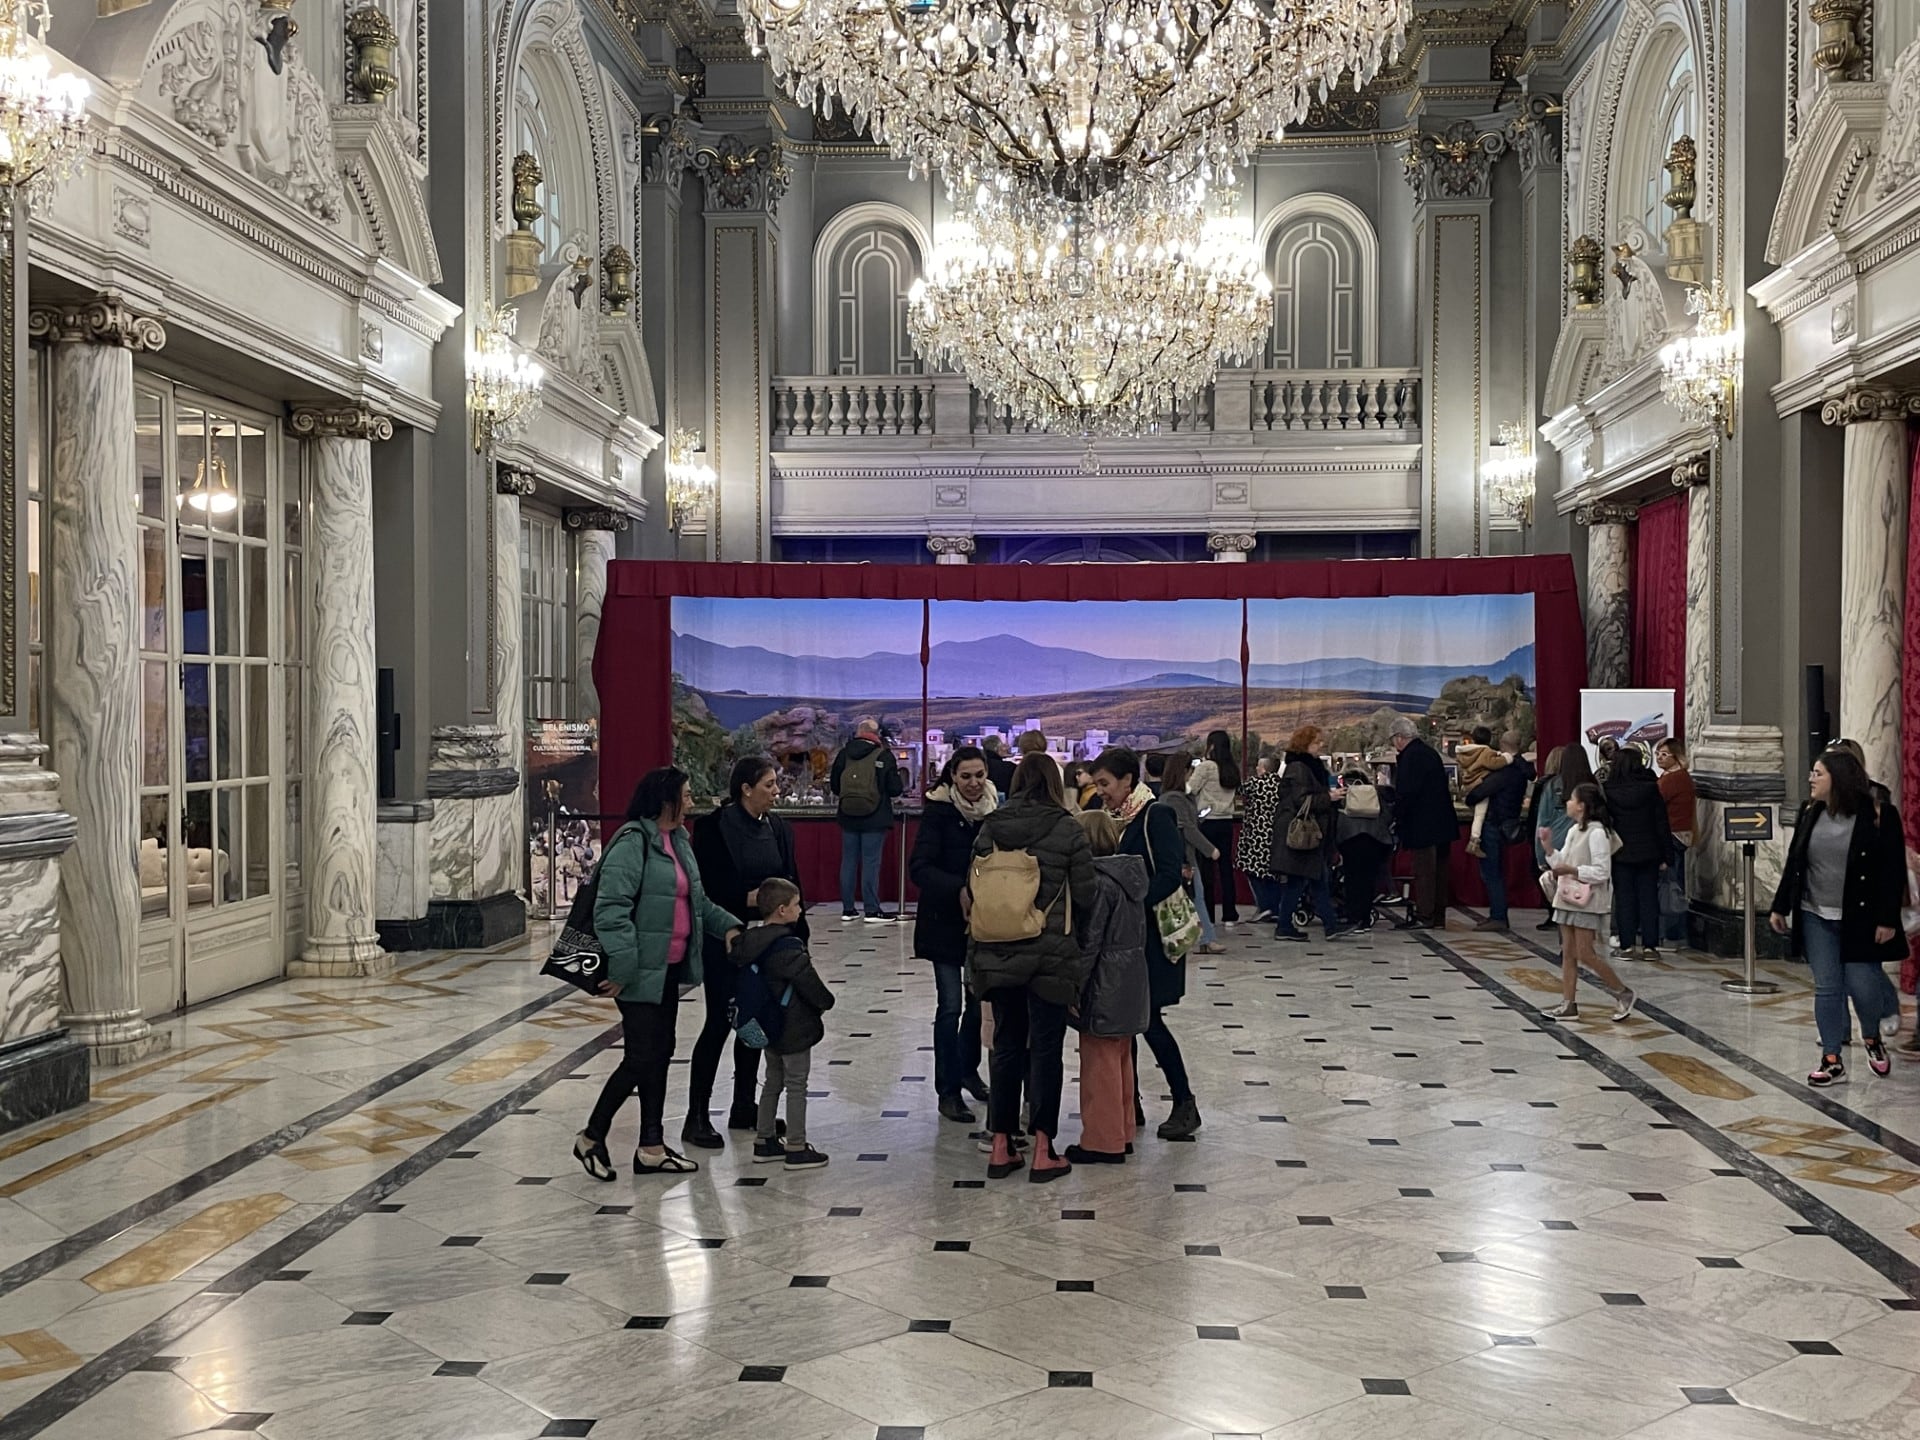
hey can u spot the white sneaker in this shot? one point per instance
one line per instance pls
(1623, 1005)
(1890, 1025)
(1563, 1012)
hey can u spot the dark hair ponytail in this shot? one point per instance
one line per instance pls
(1220, 751)
(1593, 805)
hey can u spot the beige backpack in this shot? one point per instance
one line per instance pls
(1005, 885)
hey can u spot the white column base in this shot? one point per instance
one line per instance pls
(352, 959)
(116, 1037)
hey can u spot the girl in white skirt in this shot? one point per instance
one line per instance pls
(1580, 881)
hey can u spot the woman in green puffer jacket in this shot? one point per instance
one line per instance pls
(651, 915)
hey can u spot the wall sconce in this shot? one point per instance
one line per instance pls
(1586, 282)
(616, 279)
(690, 479)
(503, 382)
(1700, 373)
(1509, 473)
(374, 40)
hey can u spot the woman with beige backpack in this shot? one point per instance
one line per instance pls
(1032, 881)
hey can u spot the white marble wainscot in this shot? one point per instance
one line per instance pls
(34, 833)
(1735, 765)
(1873, 566)
(1609, 578)
(595, 552)
(342, 937)
(92, 663)
(403, 872)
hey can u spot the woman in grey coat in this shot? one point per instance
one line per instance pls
(1115, 1003)
(1201, 852)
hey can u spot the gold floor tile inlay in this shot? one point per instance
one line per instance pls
(371, 1134)
(38, 1353)
(1697, 1075)
(1544, 981)
(498, 1064)
(1857, 1167)
(201, 1237)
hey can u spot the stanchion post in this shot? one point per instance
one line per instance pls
(1748, 985)
(553, 861)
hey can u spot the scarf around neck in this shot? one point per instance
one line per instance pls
(1136, 802)
(973, 811)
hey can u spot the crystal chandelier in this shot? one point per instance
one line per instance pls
(1070, 97)
(690, 479)
(43, 116)
(1094, 329)
(503, 381)
(1700, 372)
(1509, 473)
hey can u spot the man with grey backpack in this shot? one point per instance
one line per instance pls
(865, 781)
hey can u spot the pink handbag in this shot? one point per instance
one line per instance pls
(1572, 894)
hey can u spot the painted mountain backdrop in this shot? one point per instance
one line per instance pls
(1006, 665)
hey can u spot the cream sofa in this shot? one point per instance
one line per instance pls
(205, 869)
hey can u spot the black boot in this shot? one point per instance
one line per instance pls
(976, 1087)
(1181, 1124)
(953, 1107)
(699, 1131)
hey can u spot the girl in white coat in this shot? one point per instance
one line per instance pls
(1582, 876)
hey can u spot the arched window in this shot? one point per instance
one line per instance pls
(871, 272)
(541, 130)
(1315, 263)
(1673, 112)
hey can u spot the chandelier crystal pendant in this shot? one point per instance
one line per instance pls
(690, 479)
(503, 381)
(1096, 330)
(43, 116)
(1509, 473)
(1071, 98)
(1700, 373)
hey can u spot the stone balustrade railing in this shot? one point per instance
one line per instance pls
(822, 407)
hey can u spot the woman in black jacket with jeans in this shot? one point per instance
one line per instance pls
(736, 847)
(942, 853)
(1639, 813)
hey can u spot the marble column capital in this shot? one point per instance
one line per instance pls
(1606, 512)
(1860, 403)
(105, 319)
(950, 544)
(1234, 542)
(1693, 470)
(597, 517)
(340, 422)
(512, 480)
(1456, 164)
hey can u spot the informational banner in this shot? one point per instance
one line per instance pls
(563, 794)
(1642, 718)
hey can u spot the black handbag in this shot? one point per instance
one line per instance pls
(577, 957)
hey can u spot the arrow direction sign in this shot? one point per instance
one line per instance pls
(1747, 823)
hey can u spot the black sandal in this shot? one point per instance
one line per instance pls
(593, 1158)
(671, 1163)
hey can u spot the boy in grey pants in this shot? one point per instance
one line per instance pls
(783, 956)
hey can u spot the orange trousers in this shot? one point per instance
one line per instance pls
(1106, 1094)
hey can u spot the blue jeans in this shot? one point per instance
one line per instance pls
(956, 1031)
(1266, 893)
(1493, 873)
(1834, 981)
(860, 852)
(1200, 902)
(1292, 888)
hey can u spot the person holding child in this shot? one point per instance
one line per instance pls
(650, 913)
(777, 947)
(1478, 760)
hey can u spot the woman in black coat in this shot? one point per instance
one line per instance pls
(1153, 833)
(1639, 813)
(1031, 982)
(1840, 897)
(1306, 790)
(942, 852)
(736, 847)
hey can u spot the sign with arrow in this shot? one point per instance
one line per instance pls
(1747, 824)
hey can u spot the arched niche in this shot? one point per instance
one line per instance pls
(865, 261)
(1323, 258)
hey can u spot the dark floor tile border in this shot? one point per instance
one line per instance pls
(1893, 1140)
(66, 1396)
(62, 1252)
(1902, 1273)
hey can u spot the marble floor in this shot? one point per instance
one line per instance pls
(1416, 1209)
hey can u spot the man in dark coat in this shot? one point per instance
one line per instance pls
(1424, 817)
(1505, 791)
(865, 780)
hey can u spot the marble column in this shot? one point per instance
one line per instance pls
(510, 486)
(1873, 565)
(341, 800)
(1695, 476)
(43, 1070)
(1231, 549)
(1609, 585)
(593, 552)
(950, 549)
(93, 662)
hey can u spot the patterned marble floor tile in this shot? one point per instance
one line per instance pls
(1065, 1414)
(915, 1379)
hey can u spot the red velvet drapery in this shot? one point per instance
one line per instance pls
(1910, 660)
(631, 662)
(1660, 601)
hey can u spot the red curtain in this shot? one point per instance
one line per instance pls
(1910, 664)
(631, 662)
(1660, 602)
